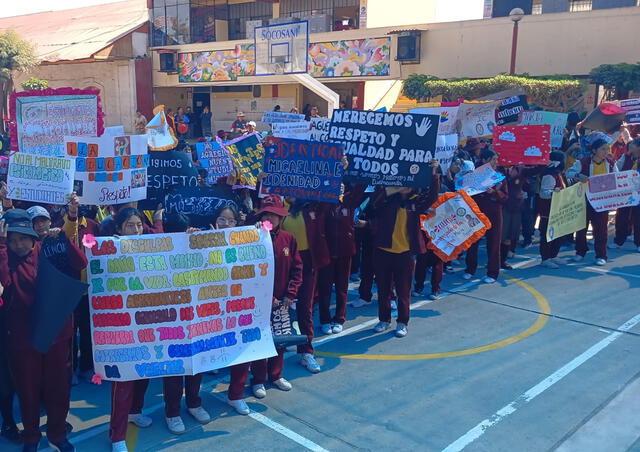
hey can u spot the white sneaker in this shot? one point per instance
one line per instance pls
(308, 361)
(601, 262)
(336, 328)
(434, 296)
(140, 420)
(467, 276)
(240, 406)
(259, 391)
(380, 327)
(549, 263)
(416, 293)
(359, 303)
(175, 425)
(200, 415)
(489, 280)
(559, 261)
(119, 446)
(282, 384)
(394, 305)
(577, 258)
(326, 328)
(401, 330)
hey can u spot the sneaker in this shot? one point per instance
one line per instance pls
(326, 328)
(511, 255)
(62, 446)
(416, 293)
(489, 280)
(559, 261)
(259, 391)
(11, 433)
(200, 415)
(309, 362)
(359, 303)
(467, 276)
(282, 384)
(435, 296)
(394, 305)
(506, 266)
(175, 425)
(577, 258)
(401, 330)
(380, 327)
(240, 406)
(600, 262)
(336, 328)
(140, 420)
(119, 446)
(548, 263)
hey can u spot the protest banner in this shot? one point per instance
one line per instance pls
(200, 204)
(215, 158)
(295, 130)
(447, 115)
(109, 170)
(629, 104)
(42, 118)
(457, 224)
(180, 304)
(568, 212)
(446, 146)
(247, 154)
(522, 145)
(632, 117)
(477, 119)
(40, 178)
(613, 191)
(272, 117)
(160, 136)
(309, 170)
(478, 181)
(319, 129)
(390, 149)
(168, 170)
(510, 109)
(557, 121)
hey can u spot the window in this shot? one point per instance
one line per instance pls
(170, 22)
(240, 13)
(536, 7)
(323, 15)
(580, 5)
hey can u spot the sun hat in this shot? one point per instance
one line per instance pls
(273, 204)
(19, 220)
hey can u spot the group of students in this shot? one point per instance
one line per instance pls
(316, 247)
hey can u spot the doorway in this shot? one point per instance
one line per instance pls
(200, 100)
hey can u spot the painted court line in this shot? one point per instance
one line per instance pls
(611, 272)
(480, 429)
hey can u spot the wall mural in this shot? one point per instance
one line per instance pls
(217, 65)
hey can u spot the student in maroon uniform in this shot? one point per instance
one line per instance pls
(512, 213)
(41, 379)
(286, 284)
(628, 218)
(490, 203)
(9, 430)
(551, 182)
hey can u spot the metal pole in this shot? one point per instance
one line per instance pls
(514, 48)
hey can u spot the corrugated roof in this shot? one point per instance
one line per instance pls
(75, 34)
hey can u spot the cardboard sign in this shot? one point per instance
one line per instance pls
(446, 147)
(39, 178)
(109, 170)
(43, 118)
(200, 204)
(477, 119)
(247, 154)
(300, 169)
(568, 212)
(168, 170)
(456, 225)
(295, 130)
(510, 109)
(215, 158)
(447, 115)
(180, 304)
(557, 121)
(613, 191)
(478, 181)
(389, 149)
(272, 117)
(319, 129)
(522, 145)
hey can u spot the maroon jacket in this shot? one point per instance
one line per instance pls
(18, 276)
(339, 228)
(585, 165)
(288, 265)
(491, 203)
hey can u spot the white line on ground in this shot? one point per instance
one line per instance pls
(480, 429)
(611, 272)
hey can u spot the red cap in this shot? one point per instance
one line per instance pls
(273, 204)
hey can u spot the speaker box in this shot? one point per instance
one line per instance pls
(168, 62)
(408, 48)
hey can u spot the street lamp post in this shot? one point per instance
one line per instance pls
(515, 15)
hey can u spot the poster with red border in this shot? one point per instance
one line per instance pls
(522, 145)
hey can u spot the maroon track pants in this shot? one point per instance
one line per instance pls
(493, 238)
(548, 250)
(598, 222)
(390, 269)
(127, 397)
(306, 296)
(336, 273)
(423, 261)
(260, 370)
(627, 222)
(173, 388)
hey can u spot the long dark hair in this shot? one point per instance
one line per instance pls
(124, 214)
(596, 144)
(487, 154)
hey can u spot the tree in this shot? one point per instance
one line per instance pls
(16, 55)
(34, 84)
(617, 79)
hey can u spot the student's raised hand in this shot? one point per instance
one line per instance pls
(192, 230)
(53, 232)
(3, 228)
(74, 203)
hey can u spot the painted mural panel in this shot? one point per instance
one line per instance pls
(350, 58)
(217, 65)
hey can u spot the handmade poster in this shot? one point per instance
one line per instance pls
(180, 304)
(477, 119)
(456, 225)
(40, 178)
(632, 117)
(168, 170)
(557, 121)
(510, 109)
(629, 104)
(271, 117)
(478, 181)
(568, 212)
(44, 117)
(247, 154)
(613, 191)
(201, 204)
(389, 149)
(109, 169)
(215, 158)
(299, 169)
(522, 145)
(447, 115)
(446, 147)
(295, 130)
(319, 129)
(160, 136)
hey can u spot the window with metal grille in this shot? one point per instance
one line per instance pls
(243, 12)
(171, 22)
(336, 14)
(580, 5)
(536, 7)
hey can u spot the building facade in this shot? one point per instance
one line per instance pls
(502, 8)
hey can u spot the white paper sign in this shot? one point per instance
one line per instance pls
(613, 191)
(448, 117)
(294, 130)
(319, 129)
(40, 178)
(272, 117)
(446, 147)
(478, 119)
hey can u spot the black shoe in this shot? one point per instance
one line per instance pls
(506, 266)
(11, 433)
(68, 427)
(62, 446)
(30, 448)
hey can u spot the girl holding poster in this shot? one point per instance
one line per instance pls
(552, 181)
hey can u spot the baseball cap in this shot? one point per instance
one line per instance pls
(38, 211)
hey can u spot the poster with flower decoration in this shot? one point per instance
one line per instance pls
(350, 58)
(216, 65)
